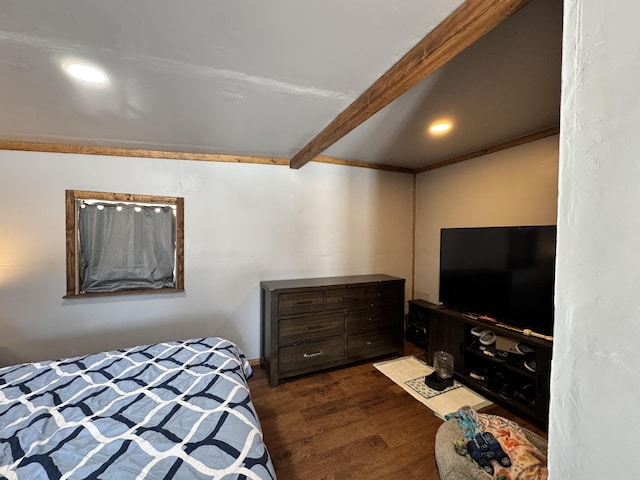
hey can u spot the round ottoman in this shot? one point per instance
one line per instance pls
(452, 466)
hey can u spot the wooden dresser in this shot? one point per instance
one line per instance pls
(312, 324)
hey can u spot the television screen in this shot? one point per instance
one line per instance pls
(506, 273)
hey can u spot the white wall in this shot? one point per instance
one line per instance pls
(243, 223)
(595, 381)
(517, 186)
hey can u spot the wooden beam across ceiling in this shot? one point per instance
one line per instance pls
(467, 24)
(497, 147)
(173, 155)
(135, 152)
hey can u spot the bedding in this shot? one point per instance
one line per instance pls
(525, 449)
(174, 410)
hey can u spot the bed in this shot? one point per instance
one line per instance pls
(174, 410)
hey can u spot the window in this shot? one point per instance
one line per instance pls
(123, 243)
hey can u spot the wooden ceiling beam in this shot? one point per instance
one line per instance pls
(467, 24)
(514, 142)
(135, 152)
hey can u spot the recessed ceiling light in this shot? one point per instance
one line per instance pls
(440, 127)
(86, 73)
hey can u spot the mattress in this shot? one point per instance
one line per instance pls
(174, 410)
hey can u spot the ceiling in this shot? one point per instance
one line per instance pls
(256, 78)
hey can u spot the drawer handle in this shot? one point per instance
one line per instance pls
(314, 354)
(370, 342)
(316, 327)
(303, 302)
(341, 299)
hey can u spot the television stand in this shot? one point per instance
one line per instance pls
(505, 380)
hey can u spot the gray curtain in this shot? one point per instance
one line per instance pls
(125, 249)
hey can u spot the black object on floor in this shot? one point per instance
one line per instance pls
(483, 448)
(436, 382)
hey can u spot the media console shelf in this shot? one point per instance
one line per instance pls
(508, 382)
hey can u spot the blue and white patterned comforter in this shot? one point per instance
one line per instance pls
(175, 410)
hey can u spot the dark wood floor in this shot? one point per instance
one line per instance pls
(352, 423)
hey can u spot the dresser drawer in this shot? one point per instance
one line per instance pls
(384, 295)
(302, 329)
(372, 344)
(299, 358)
(359, 321)
(300, 302)
(344, 298)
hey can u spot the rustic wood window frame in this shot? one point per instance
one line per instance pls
(72, 243)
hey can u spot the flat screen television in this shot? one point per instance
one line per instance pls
(506, 273)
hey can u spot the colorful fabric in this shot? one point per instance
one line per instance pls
(467, 419)
(527, 461)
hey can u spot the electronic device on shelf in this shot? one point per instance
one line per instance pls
(501, 273)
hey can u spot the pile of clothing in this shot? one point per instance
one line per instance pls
(498, 446)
